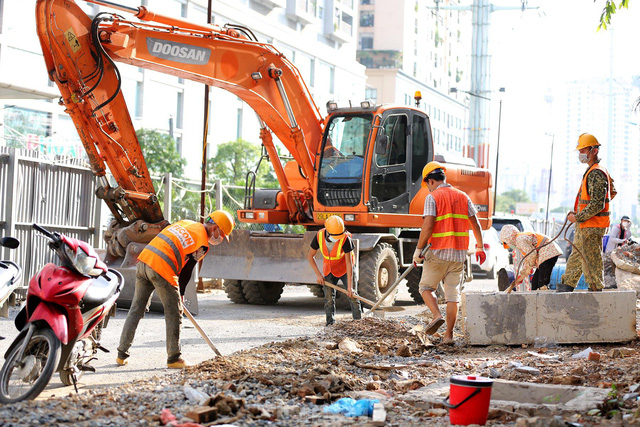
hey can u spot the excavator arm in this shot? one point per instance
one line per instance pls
(80, 53)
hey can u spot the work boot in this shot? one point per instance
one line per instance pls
(121, 362)
(178, 364)
(564, 288)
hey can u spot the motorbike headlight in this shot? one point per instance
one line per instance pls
(82, 262)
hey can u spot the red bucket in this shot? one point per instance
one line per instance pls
(468, 400)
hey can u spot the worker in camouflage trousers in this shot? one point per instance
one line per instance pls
(592, 218)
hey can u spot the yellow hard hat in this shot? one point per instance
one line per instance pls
(334, 226)
(223, 220)
(587, 140)
(428, 168)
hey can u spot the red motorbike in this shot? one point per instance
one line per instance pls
(61, 323)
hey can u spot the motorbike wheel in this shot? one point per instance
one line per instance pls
(26, 378)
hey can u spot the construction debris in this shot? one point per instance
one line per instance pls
(291, 382)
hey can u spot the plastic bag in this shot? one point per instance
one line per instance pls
(352, 408)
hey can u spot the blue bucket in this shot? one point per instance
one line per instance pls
(556, 278)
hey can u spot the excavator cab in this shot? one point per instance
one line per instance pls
(371, 158)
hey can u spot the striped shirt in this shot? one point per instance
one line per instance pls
(430, 209)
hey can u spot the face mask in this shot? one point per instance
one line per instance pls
(215, 240)
(330, 239)
(625, 224)
(583, 157)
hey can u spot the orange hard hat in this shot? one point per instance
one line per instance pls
(587, 140)
(428, 168)
(334, 226)
(223, 220)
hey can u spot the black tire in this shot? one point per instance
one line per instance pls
(40, 358)
(233, 289)
(491, 274)
(413, 284)
(262, 293)
(378, 271)
(316, 290)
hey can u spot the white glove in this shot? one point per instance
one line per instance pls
(417, 257)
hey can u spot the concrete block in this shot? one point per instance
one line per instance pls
(499, 318)
(567, 318)
(587, 317)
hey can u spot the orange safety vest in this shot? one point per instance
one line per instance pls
(451, 229)
(166, 253)
(541, 239)
(334, 261)
(602, 219)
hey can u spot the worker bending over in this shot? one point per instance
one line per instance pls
(336, 247)
(591, 215)
(165, 266)
(538, 252)
(448, 212)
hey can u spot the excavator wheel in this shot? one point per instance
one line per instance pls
(262, 293)
(378, 271)
(316, 290)
(233, 289)
(413, 283)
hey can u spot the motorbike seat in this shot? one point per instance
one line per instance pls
(101, 290)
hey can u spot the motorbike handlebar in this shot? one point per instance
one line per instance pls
(44, 231)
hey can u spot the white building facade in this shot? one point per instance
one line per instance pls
(409, 46)
(318, 36)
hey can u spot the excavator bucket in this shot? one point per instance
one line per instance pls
(263, 257)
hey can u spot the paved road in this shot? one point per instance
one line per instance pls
(230, 326)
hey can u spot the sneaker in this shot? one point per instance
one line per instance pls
(121, 362)
(178, 364)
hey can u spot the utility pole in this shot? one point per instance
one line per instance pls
(479, 108)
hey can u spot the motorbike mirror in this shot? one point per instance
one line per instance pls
(10, 242)
(382, 143)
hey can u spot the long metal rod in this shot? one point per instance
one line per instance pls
(287, 104)
(546, 221)
(114, 5)
(495, 182)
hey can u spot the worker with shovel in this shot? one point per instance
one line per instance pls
(336, 247)
(448, 212)
(591, 216)
(165, 266)
(539, 252)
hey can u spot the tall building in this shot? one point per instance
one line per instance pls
(604, 108)
(408, 46)
(318, 36)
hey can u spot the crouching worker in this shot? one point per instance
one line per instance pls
(448, 213)
(165, 266)
(540, 255)
(336, 247)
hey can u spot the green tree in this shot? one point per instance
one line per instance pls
(234, 159)
(506, 202)
(160, 152)
(609, 9)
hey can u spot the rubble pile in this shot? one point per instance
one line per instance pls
(627, 266)
(291, 382)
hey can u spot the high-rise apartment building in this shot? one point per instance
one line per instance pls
(409, 46)
(318, 36)
(604, 108)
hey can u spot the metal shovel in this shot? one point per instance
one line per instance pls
(395, 284)
(366, 301)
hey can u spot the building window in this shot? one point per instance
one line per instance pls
(367, 2)
(239, 125)
(366, 18)
(371, 93)
(366, 41)
(180, 111)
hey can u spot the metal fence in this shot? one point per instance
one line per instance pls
(59, 194)
(55, 192)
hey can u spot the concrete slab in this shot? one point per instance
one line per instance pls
(528, 399)
(567, 318)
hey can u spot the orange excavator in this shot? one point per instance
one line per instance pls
(363, 163)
